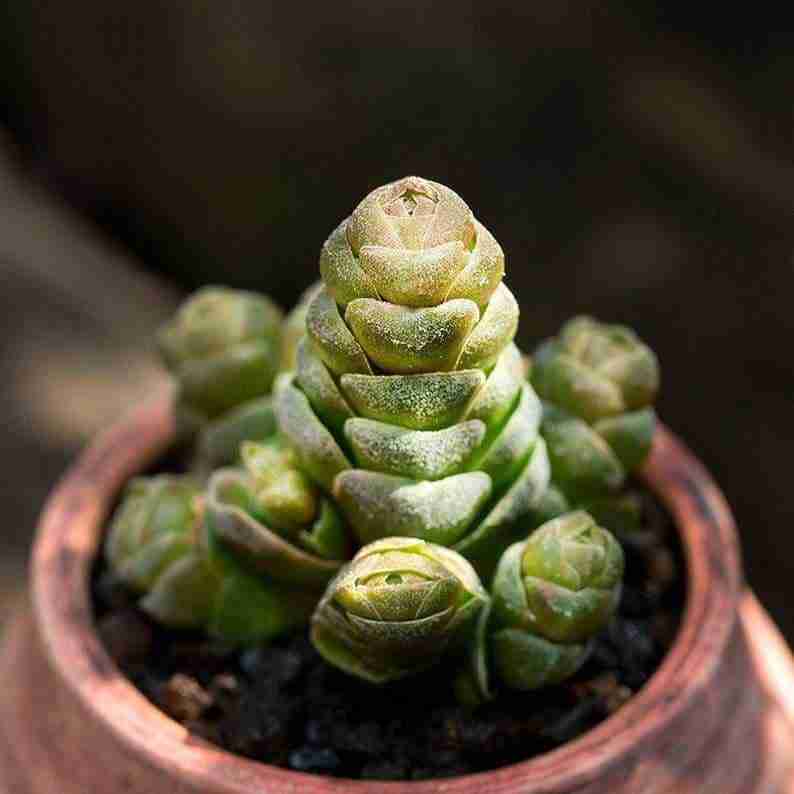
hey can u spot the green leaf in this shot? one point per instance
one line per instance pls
(401, 340)
(418, 454)
(430, 401)
(381, 505)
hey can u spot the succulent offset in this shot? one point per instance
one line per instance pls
(276, 519)
(551, 594)
(154, 531)
(409, 402)
(224, 348)
(598, 383)
(246, 559)
(396, 608)
(158, 546)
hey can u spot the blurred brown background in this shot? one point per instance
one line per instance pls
(634, 160)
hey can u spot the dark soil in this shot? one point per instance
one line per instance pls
(283, 705)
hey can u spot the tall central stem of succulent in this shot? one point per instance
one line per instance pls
(409, 402)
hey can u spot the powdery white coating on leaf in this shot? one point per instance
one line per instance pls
(515, 441)
(420, 402)
(341, 271)
(420, 454)
(493, 333)
(403, 340)
(414, 278)
(319, 386)
(411, 213)
(484, 271)
(495, 400)
(378, 505)
(334, 343)
(316, 448)
(513, 507)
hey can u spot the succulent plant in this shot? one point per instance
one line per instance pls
(392, 412)
(155, 547)
(396, 609)
(598, 383)
(551, 594)
(270, 521)
(246, 560)
(224, 349)
(409, 402)
(156, 523)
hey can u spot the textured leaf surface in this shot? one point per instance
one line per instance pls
(419, 454)
(419, 402)
(380, 505)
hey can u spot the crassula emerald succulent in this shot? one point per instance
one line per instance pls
(409, 403)
(377, 465)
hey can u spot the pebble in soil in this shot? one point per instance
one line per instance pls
(283, 705)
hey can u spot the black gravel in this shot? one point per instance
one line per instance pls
(283, 705)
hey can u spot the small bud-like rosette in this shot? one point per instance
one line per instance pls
(396, 609)
(154, 546)
(409, 402)
(155, 523)
(272, 522)
(224, 349)
(593, 370)
(551, 595)
(247, 560)
(275, 517)
(598, 383)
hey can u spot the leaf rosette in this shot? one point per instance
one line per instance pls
(409, 402)
(246, 560)
(598, 383)
(224, 349)
(396, 609)
(551, 594)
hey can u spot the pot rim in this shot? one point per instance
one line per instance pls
(68, 538)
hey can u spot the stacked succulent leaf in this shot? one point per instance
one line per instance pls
(401, 425)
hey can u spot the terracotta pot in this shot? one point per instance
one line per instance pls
(716, 718)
